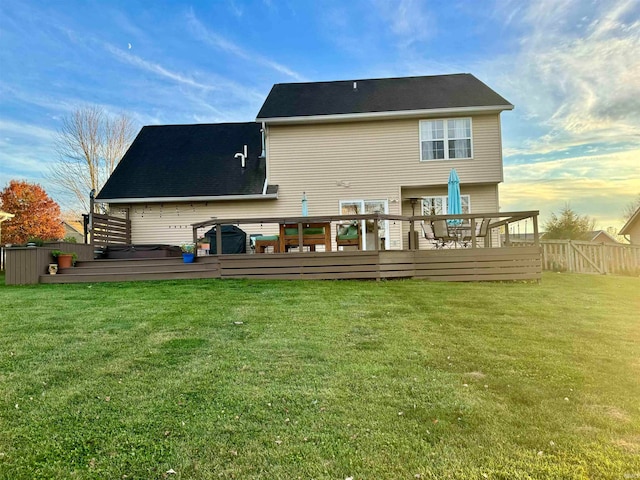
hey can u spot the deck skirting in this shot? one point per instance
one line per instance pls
(506, 263)
(522, 263)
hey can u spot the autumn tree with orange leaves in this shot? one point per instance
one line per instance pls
(36, 215)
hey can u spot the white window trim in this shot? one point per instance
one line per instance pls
(445, 201)
(362, 226)
(446, 139)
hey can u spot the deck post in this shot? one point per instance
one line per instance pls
(92, 203)
(195, 241)
(218, 239)
(474, 242)
(536, 235)
(376, 240)
(412, 230)
(301, 238)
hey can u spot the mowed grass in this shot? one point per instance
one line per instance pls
(321, 379)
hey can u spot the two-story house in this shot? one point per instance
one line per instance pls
(356, 146)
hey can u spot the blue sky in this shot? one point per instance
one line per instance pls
(571, 68)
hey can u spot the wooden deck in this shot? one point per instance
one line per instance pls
(480, 264)
(476, 263)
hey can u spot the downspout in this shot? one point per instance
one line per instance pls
(263, 131)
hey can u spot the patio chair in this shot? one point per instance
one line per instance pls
(441, 233)
(428, 235)
(482, 231)
(348, 235)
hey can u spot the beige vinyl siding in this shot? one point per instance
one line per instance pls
(170, 223)
(370, 160)
(634, 233)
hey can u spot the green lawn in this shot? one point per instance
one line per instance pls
(331, 379)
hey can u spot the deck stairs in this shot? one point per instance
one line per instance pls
(136, 270)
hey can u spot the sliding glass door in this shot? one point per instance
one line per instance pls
(358, 207)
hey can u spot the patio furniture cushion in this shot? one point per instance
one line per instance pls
(305, 231)
(267, 237)
(348, 233)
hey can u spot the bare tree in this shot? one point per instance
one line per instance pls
(90, 144)
(631, 208)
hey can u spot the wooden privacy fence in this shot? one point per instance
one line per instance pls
(108, 230)
(587, 257)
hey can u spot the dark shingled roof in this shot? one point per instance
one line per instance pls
(379, 95)
(189, 161)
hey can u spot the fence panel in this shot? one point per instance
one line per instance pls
(108, 230)
(586, 257)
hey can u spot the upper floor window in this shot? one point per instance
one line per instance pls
(445, 139)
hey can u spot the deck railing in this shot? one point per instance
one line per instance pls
(102, 230)
(498, 220)
(109, 230)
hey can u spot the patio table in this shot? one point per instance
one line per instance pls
(313, 234)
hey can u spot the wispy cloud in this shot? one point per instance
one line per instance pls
(156, 68)
(217, 41)
(26, 151)
(409, 20)
(215, 82)
(236, 9)
(21, 129)
(577, 72)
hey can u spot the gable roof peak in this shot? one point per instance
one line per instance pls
(374, 97)
(374, 79)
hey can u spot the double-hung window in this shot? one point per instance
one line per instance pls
(445, 139)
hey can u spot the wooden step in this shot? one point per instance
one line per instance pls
(132, 261)
(130, 276)
(132, 268)
(121, 270)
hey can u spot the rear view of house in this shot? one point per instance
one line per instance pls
(356, 146)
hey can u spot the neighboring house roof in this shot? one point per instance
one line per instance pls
(626, 230)
(190, 162)
(520, 237)
(380, 97)
(73, 229)
(601, 236)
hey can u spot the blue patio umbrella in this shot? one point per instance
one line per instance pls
(454, 204)
(305, 209)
